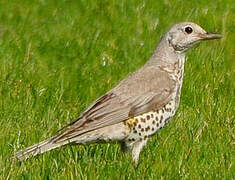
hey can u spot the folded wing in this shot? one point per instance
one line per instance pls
(145, 90)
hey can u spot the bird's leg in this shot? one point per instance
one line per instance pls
(125, 147)
(137, 147)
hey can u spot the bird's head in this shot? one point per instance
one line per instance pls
(183, 36)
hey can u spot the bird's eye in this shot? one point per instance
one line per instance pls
(188, 30)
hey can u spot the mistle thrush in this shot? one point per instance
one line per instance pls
(139, 105)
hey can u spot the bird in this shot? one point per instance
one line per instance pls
(139, 105)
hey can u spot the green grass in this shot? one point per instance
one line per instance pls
(56, 57)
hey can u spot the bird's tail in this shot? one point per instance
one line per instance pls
(38, 148)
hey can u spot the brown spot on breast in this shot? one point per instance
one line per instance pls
(136, 120)
(151, 115)
(167, 120)
(139, 126)
(129, 125)
(154, 122)
(142, 120)
(142, 130)
(147, 128)
(135, 123)
(148, 117)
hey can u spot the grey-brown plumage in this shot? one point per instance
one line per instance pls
(139, 105)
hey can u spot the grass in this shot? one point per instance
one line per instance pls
(56, 57)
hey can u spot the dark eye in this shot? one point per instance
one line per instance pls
(188, 30)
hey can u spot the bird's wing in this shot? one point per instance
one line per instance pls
(145, 90)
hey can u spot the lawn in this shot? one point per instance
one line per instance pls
(57, 57)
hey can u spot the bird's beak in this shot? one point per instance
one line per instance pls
(209, 36)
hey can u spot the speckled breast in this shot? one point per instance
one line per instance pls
(145, 125)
